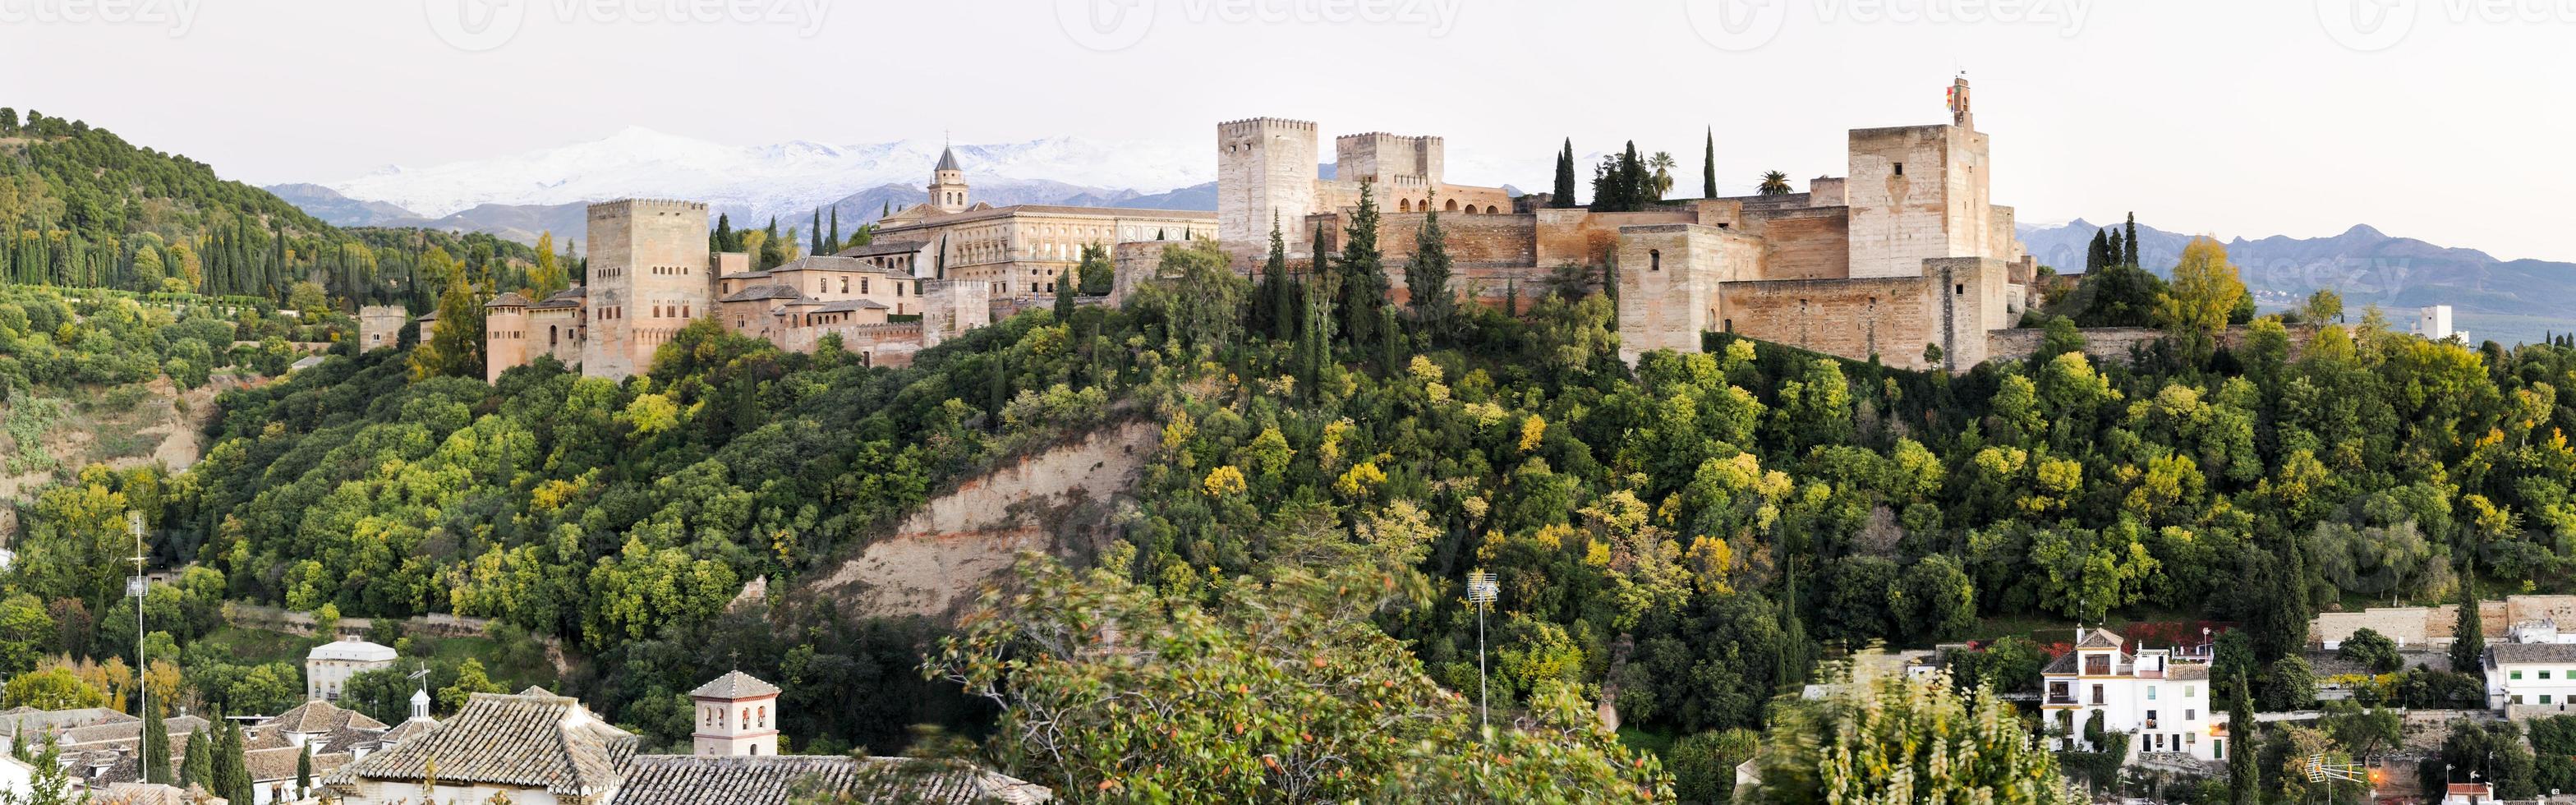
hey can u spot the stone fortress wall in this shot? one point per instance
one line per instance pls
(1904, 252)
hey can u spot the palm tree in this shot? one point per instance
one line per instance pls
(1663, 164)
(1775, 183)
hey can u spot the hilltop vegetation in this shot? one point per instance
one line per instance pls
(1682, 540)
(80, 207)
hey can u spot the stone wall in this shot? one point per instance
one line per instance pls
(1671, 282)
(1809, 243)
(1582, 237)
(885, 344)
(1889, 317)
(2416, 626)
(1487, 252)
(2102, 344)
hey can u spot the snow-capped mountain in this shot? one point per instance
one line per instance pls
(787, 179)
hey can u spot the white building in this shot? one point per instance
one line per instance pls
(2160, 701)
(2534, 678)
(2434, 323)
(331, 664)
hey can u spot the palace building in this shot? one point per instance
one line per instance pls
(1904, 259)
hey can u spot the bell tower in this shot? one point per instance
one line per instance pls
(737, 715)
(1959, 114)
(948, 183)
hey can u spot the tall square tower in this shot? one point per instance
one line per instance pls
(649, 276)
(1265, 168)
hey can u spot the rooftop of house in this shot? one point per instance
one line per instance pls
(768, 779)
(734, 685)
(319, 716)
(530, 739)
(353, 650)
(2523, 653)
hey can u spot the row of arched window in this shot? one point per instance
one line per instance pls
(1407, 205)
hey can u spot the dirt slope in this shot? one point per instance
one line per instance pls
(940, 557)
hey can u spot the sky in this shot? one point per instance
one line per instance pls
(2426, 118)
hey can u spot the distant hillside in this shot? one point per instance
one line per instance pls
(2507, 301)
(81, 207)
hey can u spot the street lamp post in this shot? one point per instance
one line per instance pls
(1481, 591)
(136, 587)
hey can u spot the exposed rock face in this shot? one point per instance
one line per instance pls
(939, 558)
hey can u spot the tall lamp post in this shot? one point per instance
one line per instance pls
(136, 586)
(1481, 591)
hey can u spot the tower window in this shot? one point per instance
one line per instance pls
(1654, 260)
(1900, 169)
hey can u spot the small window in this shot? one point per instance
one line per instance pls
(1654, 260)
(1900, 169)
(1961, 289)
(2190, 714)
(2513, 674)
(2151, 693)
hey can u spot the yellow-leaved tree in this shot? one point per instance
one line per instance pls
(2205, 290)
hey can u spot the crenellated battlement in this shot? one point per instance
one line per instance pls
(653, 204)
(1252, 123)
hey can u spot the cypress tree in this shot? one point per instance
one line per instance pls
(814, 235)
(1271, 310)
(1064, 285)
(304, 773)
(724, 238)
(2093, 254)
(2133, 240)
(156, 745)
(2468, 633)
(2244, 776)
(1511, 297)
(1708, 167)
(1564, 195)
(2119, 249)
(1426, 280)
(835, 242)
(1363, 275)
(192, 764)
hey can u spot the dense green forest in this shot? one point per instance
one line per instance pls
(1684, 539)
(81, 207)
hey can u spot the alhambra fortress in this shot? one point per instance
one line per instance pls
(1905, 250)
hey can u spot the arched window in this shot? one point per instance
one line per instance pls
(1489, 209)
(1453, 205)
(1404, 205)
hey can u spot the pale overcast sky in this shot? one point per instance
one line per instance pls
(2443, 121)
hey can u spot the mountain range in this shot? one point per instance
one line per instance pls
(2503, 300)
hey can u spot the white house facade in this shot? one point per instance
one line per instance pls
(2159, 700)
